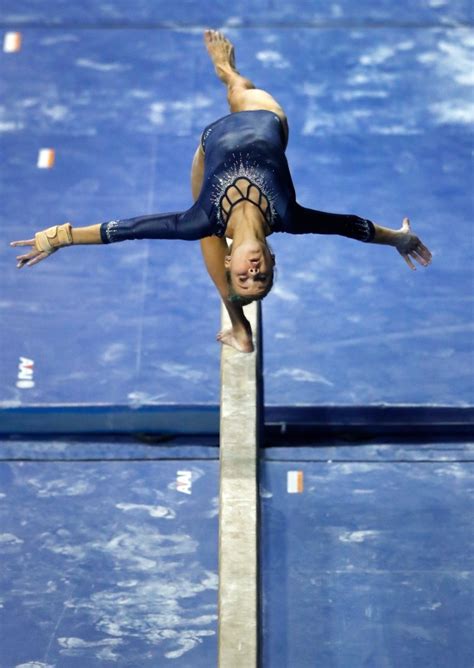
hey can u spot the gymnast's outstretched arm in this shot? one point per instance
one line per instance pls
(410, 247)
(47, 242)
(189, 225)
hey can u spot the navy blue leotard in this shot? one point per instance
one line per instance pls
(246, 145)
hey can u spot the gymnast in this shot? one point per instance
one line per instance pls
(242, 189)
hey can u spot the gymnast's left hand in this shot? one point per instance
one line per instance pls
(45, 243)
(33, 256)
(410, 247)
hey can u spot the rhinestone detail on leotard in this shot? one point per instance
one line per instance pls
(110, 229)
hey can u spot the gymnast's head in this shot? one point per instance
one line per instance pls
(249, 270)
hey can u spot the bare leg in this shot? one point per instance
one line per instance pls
(214, 250)
(241, 92)
(197, 172)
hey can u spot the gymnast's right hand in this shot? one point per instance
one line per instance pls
(44, 244)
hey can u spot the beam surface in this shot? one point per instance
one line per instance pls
(241, 411)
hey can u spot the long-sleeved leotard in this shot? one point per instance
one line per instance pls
(248, 146)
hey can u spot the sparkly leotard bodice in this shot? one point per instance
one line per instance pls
(245, 147)
(244, 160)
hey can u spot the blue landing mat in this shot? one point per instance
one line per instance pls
(380, 126)
(123, 323)
(115, 562)
(264, 12)
(371, 565)
(118, 448)
(108, 563)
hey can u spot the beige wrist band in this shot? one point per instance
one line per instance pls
(53, 238)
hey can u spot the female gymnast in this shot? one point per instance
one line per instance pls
(242, 190)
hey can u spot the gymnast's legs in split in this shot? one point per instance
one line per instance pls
(241, 96)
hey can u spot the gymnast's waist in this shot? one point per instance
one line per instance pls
(243, 128)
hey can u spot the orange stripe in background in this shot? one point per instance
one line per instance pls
(46, 158)
(300, 483)
(12, 42)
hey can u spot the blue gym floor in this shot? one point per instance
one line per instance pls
(380, 108)
(109, 554)
(109, 546)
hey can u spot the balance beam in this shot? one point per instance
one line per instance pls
(240, 427)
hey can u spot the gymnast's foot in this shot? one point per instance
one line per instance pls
(240, 339)
(221, 51)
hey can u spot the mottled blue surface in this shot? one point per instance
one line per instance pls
(380, 126)
(388, 128)
(108, 564)
(376, 449)
(134, 337)
(146, 447)
(265, 12)
(372, 565)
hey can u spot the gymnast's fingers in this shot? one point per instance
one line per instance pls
(424, 252)
(23, 259)
(417, 255)
(37, 259)
(408, 261)
(29, 242)
(27, 257)
(418, 258)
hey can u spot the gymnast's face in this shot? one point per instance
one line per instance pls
(251, 269)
